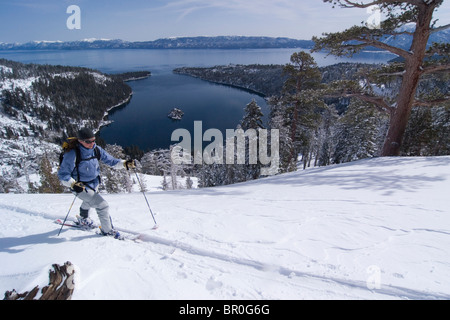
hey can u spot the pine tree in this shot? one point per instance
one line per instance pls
(303, 107)
(279, 119)
(164, 183)
(356, 133)
(189, 182)
(115, 181)
(441, 127)
(417, 60)
(253, 117)
(49, 180)
(324, 147)
(303, 74)
(252, 120)
(419, 133)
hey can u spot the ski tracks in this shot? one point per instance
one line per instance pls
(385, 291)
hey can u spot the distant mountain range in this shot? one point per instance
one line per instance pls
(220, 42)
(404, 41)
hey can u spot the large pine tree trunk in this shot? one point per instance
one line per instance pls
(413, 67)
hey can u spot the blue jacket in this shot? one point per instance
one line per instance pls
(89, 170)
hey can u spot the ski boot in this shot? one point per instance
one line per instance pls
(85, 223)
(113, 233)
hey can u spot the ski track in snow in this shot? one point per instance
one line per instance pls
(389, 291)
(203, 256)
(392, 291)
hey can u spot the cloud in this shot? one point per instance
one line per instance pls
(283, 9)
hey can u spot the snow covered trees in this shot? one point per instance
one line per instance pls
(301, 114)
(115, 181)
(49, 180)
(416, 62)
(357, 133)
(243, 167)
(159, 162)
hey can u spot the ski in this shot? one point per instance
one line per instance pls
(75, 224)
(67, 224)
(97, 230)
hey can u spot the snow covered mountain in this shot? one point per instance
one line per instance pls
(41, 103)
(202, 42)
(404, 40)
(372, 229)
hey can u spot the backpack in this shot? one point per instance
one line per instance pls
(71, 144)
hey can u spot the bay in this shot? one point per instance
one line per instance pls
(143, 121)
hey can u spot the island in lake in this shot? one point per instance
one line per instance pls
(175, 114)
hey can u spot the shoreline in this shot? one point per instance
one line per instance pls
(235, 86)
(104, 122)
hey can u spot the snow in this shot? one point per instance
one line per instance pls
(47, 41)
(24, 84)
(95, 39)
(372, 229)
(5, 69)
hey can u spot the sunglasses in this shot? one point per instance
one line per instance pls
(89, 141)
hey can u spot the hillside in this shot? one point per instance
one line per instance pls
(267, 80)
(58, 96)
(372, 229)
(41, 104)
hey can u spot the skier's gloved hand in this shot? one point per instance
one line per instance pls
(129, 164)
(77, 187)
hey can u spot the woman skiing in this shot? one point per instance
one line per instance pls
(80, 171)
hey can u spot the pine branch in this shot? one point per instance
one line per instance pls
(431, 103)
(377, 101)
(439, 49)
(434, 30)
(366, 37)
(391, 74)
(353, 4)
(381, 45)
(436, 68)
(350, 89)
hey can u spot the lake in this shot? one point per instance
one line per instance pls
(143, 121)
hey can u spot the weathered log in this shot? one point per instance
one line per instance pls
(60, 286)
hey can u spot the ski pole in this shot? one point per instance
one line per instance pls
(148, 205)
(62, 225)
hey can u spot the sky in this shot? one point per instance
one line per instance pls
(142, 20)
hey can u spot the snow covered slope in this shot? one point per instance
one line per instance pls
(371, 229)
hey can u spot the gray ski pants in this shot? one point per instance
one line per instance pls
(92, 199)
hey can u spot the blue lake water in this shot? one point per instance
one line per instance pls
(143, 121)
